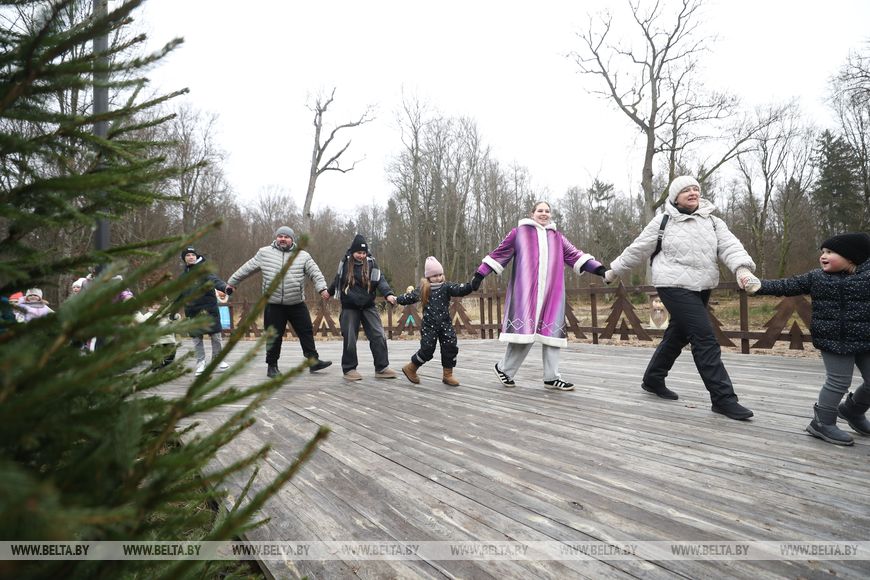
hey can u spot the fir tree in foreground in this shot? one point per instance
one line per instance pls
(89, 450)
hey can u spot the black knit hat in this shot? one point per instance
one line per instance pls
(358, 245)
(855, 247)
(188, 250)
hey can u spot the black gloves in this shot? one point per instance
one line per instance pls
(229, 290)
(600, 270)
(475, 282)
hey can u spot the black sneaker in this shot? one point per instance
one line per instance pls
(559, 385)
(505, 380)
(272, 371)
(663, 392)
(319, 365)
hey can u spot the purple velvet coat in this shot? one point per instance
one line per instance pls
(535, 301)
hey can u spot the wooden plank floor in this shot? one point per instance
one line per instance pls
(606, 462)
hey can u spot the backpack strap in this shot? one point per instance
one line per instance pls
(658, 249)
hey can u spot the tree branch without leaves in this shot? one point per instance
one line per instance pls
(319, 151)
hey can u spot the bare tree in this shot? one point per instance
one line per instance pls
(850, 99)
(204, 188)
(406, 173)
(322, 162)
(763, 171)
(669, 51)
(465, 162)
(273, 207)
(654, 82)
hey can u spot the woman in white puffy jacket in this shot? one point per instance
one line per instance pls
(684, 271)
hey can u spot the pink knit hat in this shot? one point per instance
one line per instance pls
(433, 267)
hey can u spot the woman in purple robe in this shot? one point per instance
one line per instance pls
(535, 300)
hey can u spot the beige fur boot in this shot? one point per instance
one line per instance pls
(448, 378)
(410, 371)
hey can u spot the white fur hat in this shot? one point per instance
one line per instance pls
(679, 184)
(34, 292)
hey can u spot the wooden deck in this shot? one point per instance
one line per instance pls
(606, 462)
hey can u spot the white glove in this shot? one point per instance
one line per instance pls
(610, 276)
(747, 280)
(753, 285)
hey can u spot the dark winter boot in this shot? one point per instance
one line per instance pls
(824, 426)
(732, 409)
(853, 413)
(272, 371)
(410, 371)
(662, 391)
(448, 379)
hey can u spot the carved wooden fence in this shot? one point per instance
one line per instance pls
(583, 324)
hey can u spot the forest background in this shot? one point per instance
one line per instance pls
(781, 180)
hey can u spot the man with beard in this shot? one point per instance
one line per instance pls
(287, 302)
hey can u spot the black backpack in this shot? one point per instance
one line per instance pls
(661, 235)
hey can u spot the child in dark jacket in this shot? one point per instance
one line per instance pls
(840, 326)
(357, 280)
(435, 294)
(204, 302)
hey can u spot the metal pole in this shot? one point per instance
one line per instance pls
(101, 106)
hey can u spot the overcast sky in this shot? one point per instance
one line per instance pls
(258, 64)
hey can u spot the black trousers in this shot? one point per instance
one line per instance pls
(277, 316)
(430, 335)
(690, 324)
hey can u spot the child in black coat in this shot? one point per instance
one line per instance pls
(435, 294)
(203, 302)
(840, 326)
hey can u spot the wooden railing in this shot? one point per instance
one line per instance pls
(621, 323)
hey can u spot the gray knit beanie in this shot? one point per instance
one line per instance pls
(285, 231)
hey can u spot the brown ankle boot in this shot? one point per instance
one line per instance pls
(448, 378)
(410, 371)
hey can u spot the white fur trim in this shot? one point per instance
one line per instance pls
(551, 341)
(543, 260)
(532, 338)
(496, 267)
(531, 222)
(516, 338)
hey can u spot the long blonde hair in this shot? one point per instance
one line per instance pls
(425, 290)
